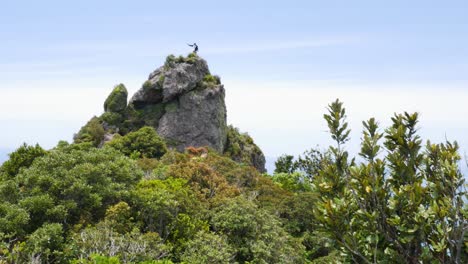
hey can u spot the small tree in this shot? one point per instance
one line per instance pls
(285, 164)
(92, 132)
(402, 207)
(142, 143)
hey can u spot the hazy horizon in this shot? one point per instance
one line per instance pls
(281, 64)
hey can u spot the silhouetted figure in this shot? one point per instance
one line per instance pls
(195, 50)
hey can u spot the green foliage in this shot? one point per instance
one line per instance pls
(119, 217)
(312, 161)
(254, 234)
(159, 202)
(104, 244)
(285, 164)
(45, 243)
(23, 157)
(13, 220)
(212, 79)
(209, 81)
(405, 207)
(69, 185)
(207, 247)
(192, 55)
(98, 259)
(170, 208)
(297, 215)
(92, 132)
(404, 202)
(112, 118)
(142, 143)
(206, 181)
(171, 60)
(240, 146)
(293, 182)
(116, 102)
(309, 164)
(336, 121)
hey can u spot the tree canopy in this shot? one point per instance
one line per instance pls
(133, 200)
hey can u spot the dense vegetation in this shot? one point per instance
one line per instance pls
(133, 200)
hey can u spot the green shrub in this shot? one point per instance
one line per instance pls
(13, 220)
(170, 60)
(45, 242)
(207, 247)
(71, 185)
(92, 132)
(255, 234)
(180, 59)
(240, 146)
(132, 247)
(144, 143)
(192, 58)
(23, 157)
(294, 182)
(112, 118)
(211, 79)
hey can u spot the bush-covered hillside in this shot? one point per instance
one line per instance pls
(134, 200)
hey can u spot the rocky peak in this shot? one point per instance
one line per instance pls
(185, 104)
(177, 76)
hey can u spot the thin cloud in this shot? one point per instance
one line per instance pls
(278, 45)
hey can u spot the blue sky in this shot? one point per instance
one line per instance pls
(281, 62)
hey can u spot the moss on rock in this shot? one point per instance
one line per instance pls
(117, 101)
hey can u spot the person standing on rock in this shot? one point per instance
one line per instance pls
(195, 47)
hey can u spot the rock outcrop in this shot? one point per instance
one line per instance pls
(185, 104)
(116, 102)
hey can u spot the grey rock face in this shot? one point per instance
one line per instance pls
(182, 78)
(170, 81)
(197, 118)
(190, 112)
